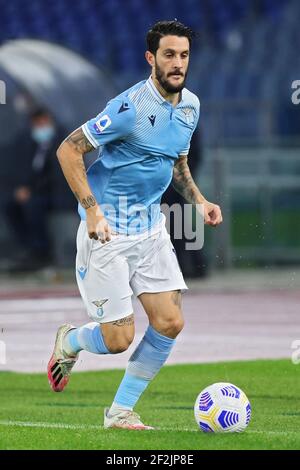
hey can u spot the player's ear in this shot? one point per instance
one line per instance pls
(150, 58)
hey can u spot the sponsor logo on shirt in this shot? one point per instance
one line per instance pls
(103, 123)
(124, 107)
(152, 119)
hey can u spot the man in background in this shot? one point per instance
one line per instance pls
(30, 202)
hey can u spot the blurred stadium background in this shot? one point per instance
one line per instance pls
(70, 57)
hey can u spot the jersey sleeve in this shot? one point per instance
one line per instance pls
(113, 123)
(185, 151)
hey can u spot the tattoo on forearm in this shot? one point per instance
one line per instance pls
(124, 321)
(183, 182)
(87, 202)
(79, 141)
(176, 298)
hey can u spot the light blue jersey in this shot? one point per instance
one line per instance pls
(141, 135)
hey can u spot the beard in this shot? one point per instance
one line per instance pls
(165, 84)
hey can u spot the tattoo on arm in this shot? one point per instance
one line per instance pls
(79, 141)
(87, 202)
(183, 182)
(82, 142)
(124, 321)
(70, 155)
(176, 298)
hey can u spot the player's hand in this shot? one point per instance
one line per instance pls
(212, 214)
(97, 225)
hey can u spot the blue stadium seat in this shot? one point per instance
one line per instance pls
(112, 34)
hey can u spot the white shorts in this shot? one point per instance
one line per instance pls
(109, 274)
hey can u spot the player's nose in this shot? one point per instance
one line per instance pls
(178, 63)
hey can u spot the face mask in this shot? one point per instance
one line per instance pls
(42, 134)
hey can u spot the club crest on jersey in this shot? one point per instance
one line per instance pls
(188, 113)
(103, 123)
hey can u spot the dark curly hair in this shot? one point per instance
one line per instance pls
(165, 28)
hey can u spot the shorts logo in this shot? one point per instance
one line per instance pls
(99, 304)
(82, 271)
(103, 123)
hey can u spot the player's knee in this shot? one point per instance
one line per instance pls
(118, 335)
(119, 341)
(176, 326)
(171, 327)
(119, 345)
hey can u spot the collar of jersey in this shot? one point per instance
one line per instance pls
(154, 91)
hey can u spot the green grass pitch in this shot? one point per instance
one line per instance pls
(33, 417)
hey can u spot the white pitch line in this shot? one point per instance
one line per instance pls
(29, 424)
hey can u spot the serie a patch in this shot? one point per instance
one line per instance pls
(103, 123)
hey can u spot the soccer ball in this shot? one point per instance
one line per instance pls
(222, 407)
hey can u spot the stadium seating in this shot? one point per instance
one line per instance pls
(246, 49)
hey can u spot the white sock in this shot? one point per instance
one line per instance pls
(115, 409)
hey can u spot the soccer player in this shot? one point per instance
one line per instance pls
(123, 248)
